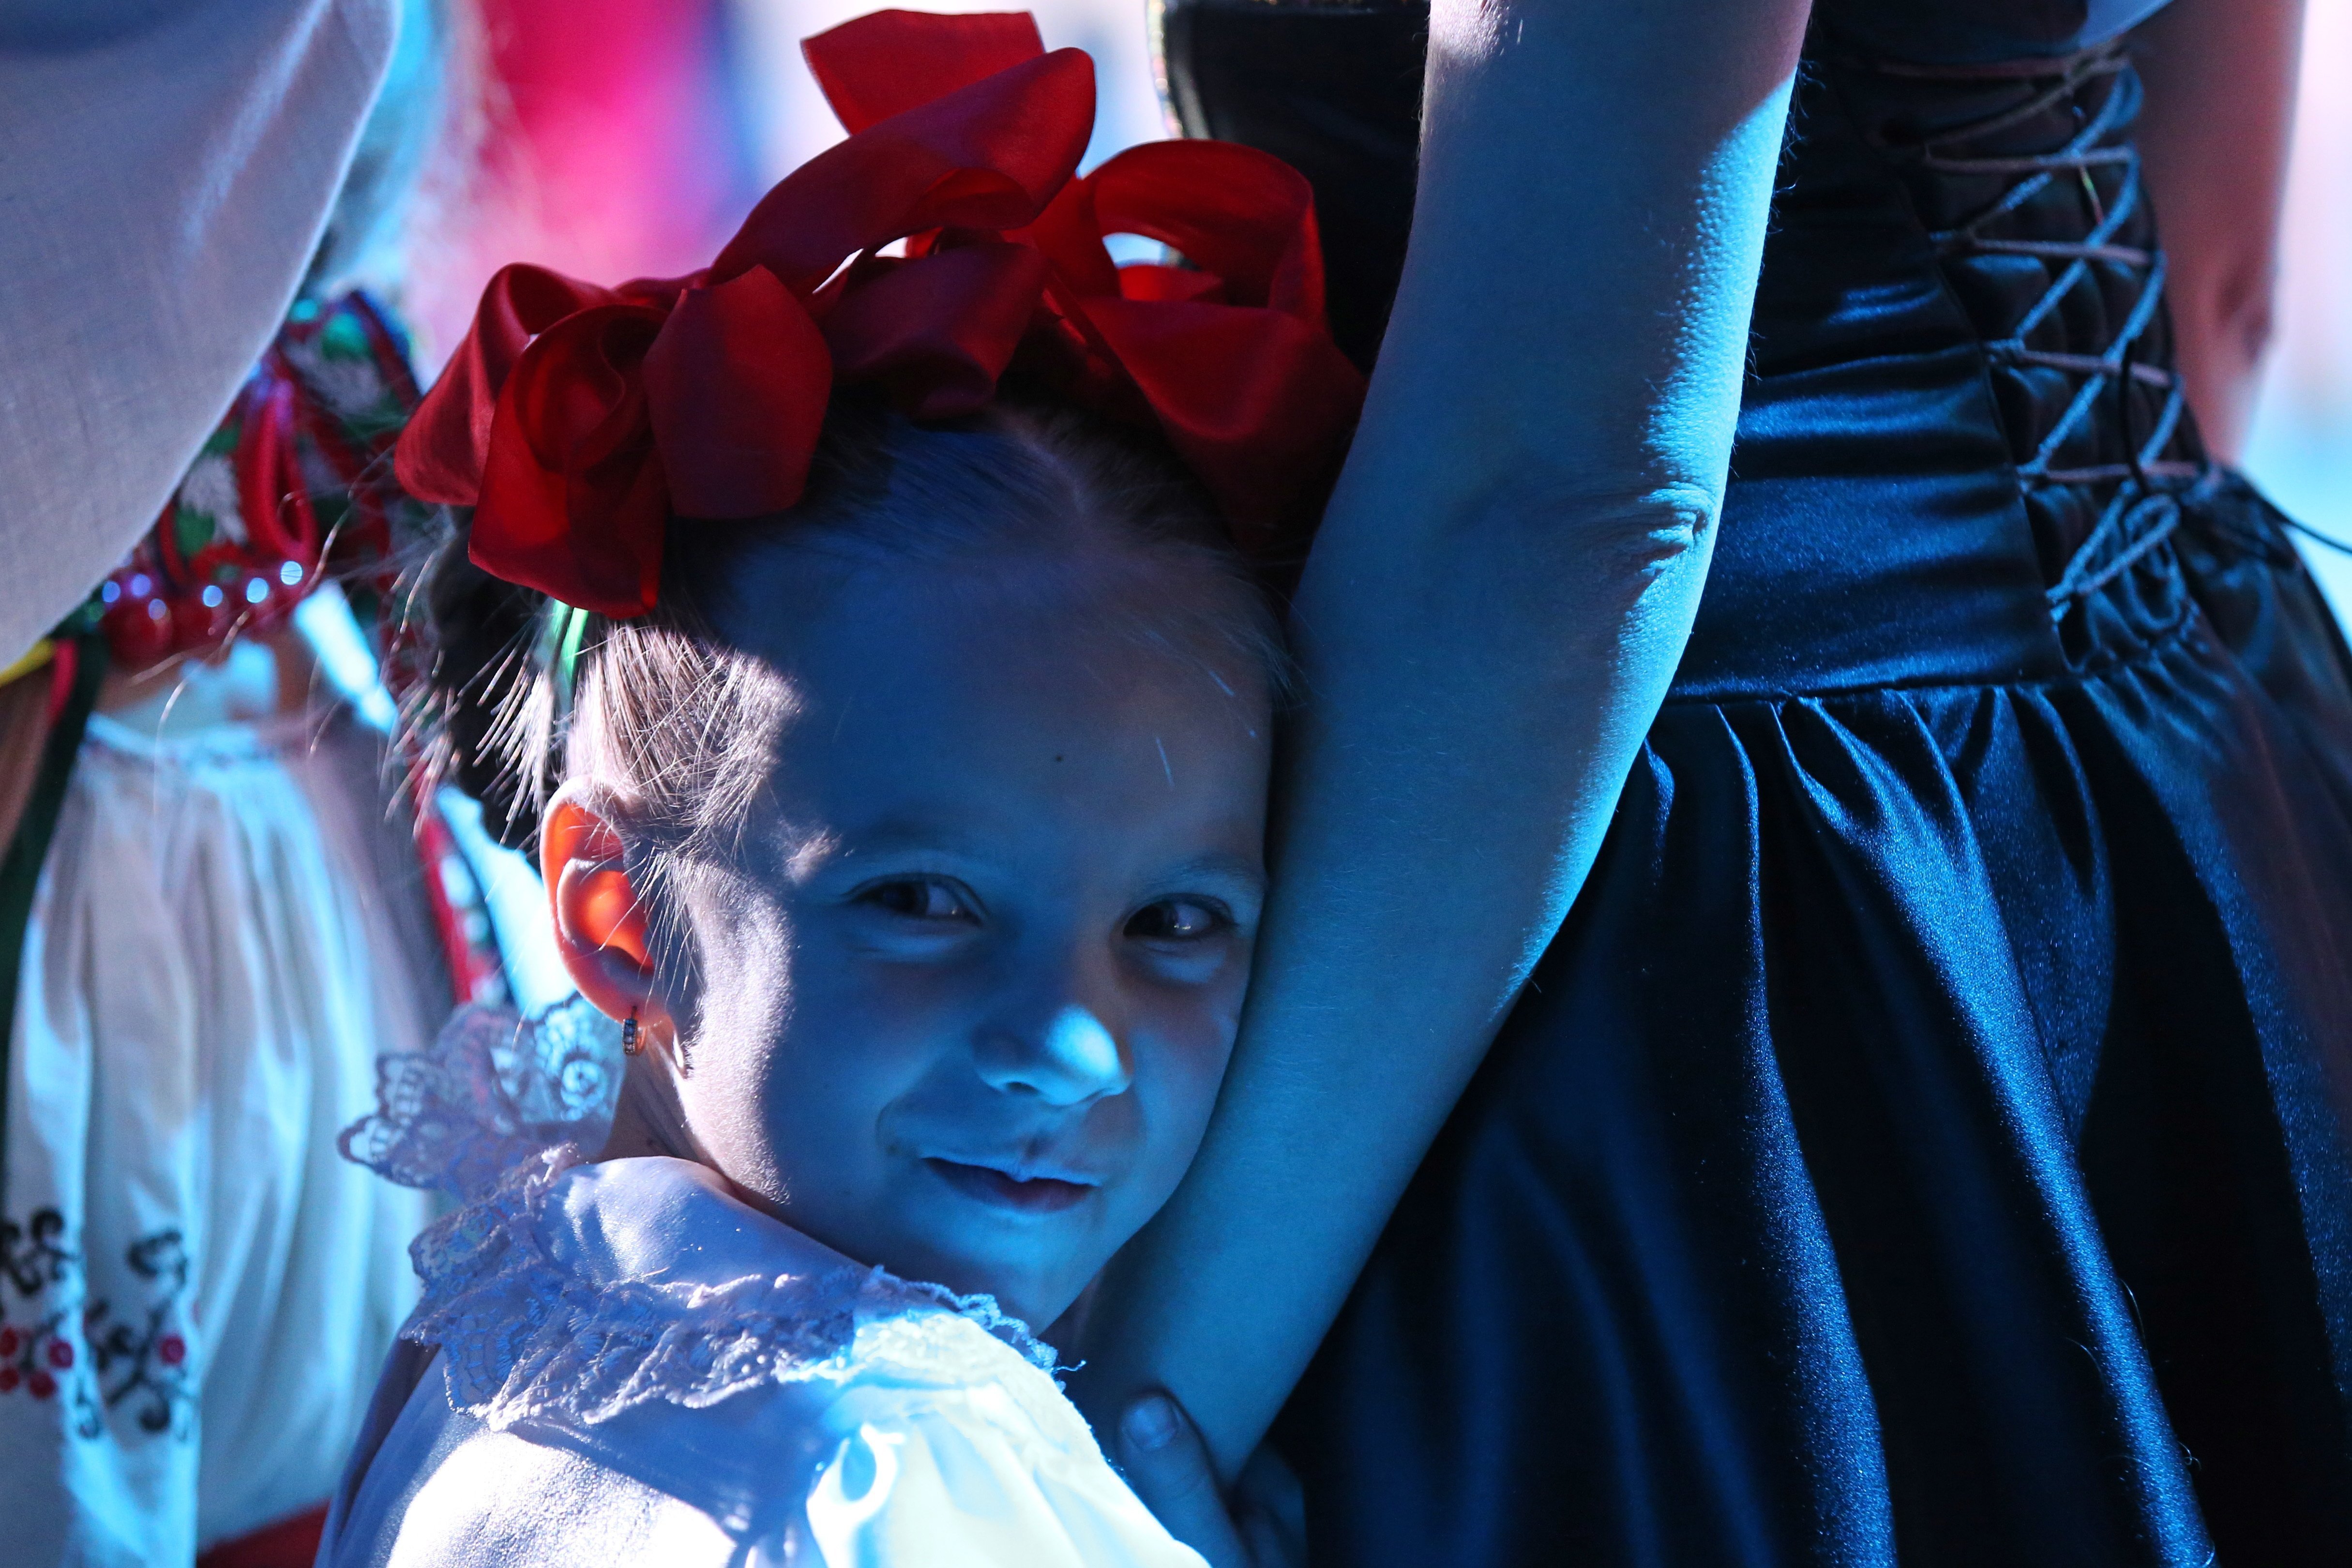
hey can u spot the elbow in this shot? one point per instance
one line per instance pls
(1556, 566)
(1540, 555)
(2226, 327)
(2252, 328)
(2249, 320)
(2222, 331)
(1661, 529)
(1622, 536)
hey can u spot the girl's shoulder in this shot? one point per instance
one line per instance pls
(675, 1365)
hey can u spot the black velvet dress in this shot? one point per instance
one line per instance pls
(1924, 1143)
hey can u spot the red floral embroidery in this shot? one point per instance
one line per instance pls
(133, 1361)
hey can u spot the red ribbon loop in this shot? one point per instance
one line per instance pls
(577, 420)
(987, 156)
(939, 330)
(447, 440)
(1227, 209)
(887, 62)
(572, 489)
(736, 387)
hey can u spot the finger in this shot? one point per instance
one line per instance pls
(1168, 1466)
(1270, 1541)
(1267, 1485)
(1272, 1509)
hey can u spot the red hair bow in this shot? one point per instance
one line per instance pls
(577, 420)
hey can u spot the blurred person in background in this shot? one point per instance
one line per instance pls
(216, 913)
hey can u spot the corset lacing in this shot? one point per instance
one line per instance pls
(2079, 209)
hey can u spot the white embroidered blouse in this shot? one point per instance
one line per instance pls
(628, 1366)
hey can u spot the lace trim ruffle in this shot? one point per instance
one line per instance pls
(496, 1111)
(526, 1337)
(493, 1093)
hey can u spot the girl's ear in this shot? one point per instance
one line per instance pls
(599, 922)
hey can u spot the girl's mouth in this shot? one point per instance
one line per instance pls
(1038, 1195)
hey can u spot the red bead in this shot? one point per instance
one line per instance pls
(10, 1340)
(196, 625)
(172, 1350)
(9, 1379)
(41, 1384)
(60, 1353)
(138, 631)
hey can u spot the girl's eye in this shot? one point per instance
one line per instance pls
(1177, 920)
(919, 899)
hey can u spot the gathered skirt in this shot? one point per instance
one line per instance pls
(196, 1286)
(1925, 1141)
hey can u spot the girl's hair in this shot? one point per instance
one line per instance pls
(676, 728)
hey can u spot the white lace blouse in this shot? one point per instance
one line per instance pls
(628, 1366)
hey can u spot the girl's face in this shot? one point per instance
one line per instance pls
(965, 1004)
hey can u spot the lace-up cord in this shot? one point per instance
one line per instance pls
(2145, 506)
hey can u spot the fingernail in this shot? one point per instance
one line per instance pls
(1150, 1422)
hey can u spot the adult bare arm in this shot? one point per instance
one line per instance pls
(1497, 600)
(2221, 78)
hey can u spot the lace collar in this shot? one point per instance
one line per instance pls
(535, 1290)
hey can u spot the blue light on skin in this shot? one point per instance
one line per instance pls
(967, 992)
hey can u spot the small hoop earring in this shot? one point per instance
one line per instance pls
(630, 1044)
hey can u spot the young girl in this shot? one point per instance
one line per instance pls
(912, 704)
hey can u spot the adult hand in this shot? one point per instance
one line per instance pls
(1262, 1525)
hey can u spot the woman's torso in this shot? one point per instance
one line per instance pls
(1973, 32)
(1962, 444)
(1923, 1140)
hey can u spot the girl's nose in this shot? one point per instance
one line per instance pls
(1068, 1058)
